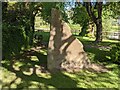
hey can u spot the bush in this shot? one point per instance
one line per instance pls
(12, 40)
(115, 53)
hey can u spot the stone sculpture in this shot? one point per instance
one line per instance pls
(65, 52)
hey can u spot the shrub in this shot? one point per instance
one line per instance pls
(115, 53)
(12, 40)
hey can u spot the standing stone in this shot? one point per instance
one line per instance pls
(65, 52)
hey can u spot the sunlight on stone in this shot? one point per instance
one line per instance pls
(34, 58)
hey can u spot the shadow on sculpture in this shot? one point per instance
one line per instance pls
(65, 52)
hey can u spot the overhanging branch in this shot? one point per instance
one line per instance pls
(90, 12)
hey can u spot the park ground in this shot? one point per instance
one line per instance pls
(28, 69)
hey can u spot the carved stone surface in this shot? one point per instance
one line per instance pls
(65, 52)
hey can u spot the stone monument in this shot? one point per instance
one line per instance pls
(65, 52)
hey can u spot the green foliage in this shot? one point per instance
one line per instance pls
(12, 40)
(112, 9)
(115, 53)
(81, 17)
(84, 30)
(17, 31)
(108, 26)
(46, 10)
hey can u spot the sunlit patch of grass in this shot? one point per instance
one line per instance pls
(28, 71)
(88, 79)
(47, 76)
(112, 66)
(15, 82)
(89, 41)
(7, 77)
(84, 79)
(51, 87)
(34, 84)
(5, 61)
(34, 58)
(17, 65)
(0, 77)
(112, 41)
(43, 51)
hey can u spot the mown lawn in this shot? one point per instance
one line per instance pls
(28, 70)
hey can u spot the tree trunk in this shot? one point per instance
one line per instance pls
(95, 19)
(99, 23)
(33, 27)
(98, 31)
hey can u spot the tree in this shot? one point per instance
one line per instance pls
(112, 9)
(89, 12)
(97, 19)
(95, 13)
(46, 10)
(33, 9)
(18, 25)
(12, 31)
(81, 17)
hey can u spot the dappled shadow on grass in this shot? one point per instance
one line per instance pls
(99, 53)
(98, 80)
(33, 73)
(30, 75)
(28, 70)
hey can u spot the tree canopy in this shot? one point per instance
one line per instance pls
(19, 18)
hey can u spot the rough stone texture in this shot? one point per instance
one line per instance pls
(65, 52)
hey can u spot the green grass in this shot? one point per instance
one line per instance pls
(20, 72)
(97, 52)
(84, 79)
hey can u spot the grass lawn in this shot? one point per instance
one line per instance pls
(27, 70)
